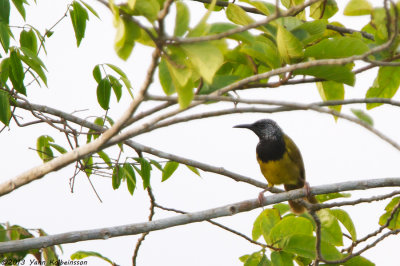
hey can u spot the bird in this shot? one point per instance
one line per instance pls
(280, 160)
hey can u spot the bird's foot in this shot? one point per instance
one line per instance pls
(308, 191)
(261, 196)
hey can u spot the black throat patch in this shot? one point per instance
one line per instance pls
(271, 149)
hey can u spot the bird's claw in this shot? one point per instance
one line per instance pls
(261, 196)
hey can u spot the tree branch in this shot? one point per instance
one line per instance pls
(82, 151)
(288, 105)
(199, 165)
(289, 12)
(258, 12)
(227, 210)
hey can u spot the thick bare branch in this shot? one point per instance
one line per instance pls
(227, 210)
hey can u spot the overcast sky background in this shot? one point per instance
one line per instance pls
(332, 152)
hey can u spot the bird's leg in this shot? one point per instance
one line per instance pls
(308, 191)
(261, 195)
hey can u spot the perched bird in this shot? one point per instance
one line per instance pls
(279, 159)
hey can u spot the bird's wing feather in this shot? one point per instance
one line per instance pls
(295, 155)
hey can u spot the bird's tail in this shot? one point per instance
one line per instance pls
(295, 206)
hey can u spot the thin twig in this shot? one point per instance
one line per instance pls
(223, 227)
(151, 215)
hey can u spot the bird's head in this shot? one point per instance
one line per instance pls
(264, 129)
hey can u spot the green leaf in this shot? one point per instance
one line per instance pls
(242, 258)
(156, 164)
(385, 85)
(127, 33)
(395, 222)
(288, 45)
(290, 225)
(128, 85)
(341, 74)
(330, 228)
(33, 56)
(182, 83)
(264, 51)
(84, 254)
(130, 177)
(146, 8)
(144, 172)
(237, 15)
(310, 32)
(358, 261)
(257, 259)
(363, 116)
(34, 63)
(182, 18)
(5, 11)
(88, 165)
(58, 148)
(5, 111)
(105, 158)
(117, 177)
(219, 82)
(169, 169)
(104, 93)
(116, 86)
(193, 169)
(90, 9)
(97, 73)
(337, 47)
(4, 35)
(264, 223)
(205, 57)
(344, 218)
(19, 4)
(28, 40)
(330, 196)
(331, 90)
(165, 78)
(185, 94)
(265, 8)
(289, 23)
(304, 245)
(302, 261)
(325, 8)
(392, 204)
(282, 208)
(43, 148)
(131, 4)
(357, 8)
(109, 120)
(17, 72)
(223, 27)
(117, 70)
(79, 15)
(281, 258)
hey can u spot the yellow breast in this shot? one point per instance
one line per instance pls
(282, 171)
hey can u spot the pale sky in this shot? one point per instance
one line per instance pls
(332, 152)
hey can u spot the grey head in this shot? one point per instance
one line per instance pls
(266, 129)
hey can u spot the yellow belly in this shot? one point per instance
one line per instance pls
(282, 171)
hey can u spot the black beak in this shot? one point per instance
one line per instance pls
(248, 126)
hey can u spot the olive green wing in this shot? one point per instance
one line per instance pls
(295, 156)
